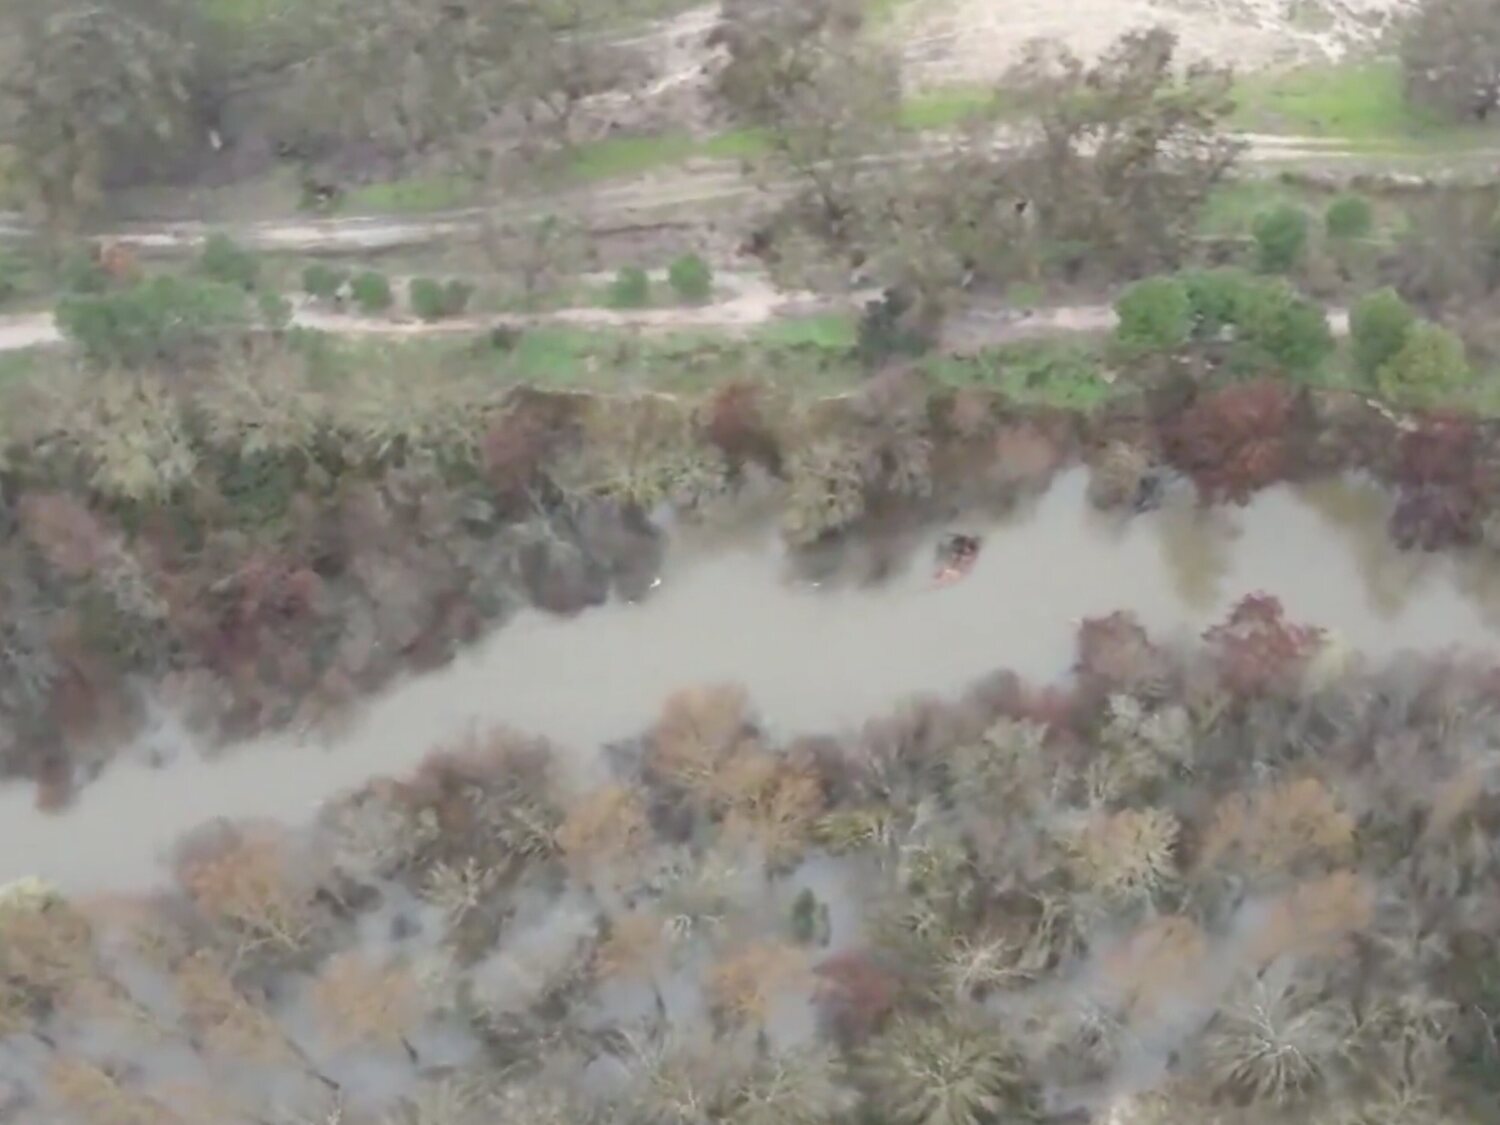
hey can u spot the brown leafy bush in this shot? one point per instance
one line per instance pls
(1279, 828)
(1313, 919)
(1158, 964)
(46, 949)
(855, 994)
(249, 885)
(88, 1090)
(1119, 473)
(360, 1003)
(1257, 650)
(1236, 441)
(735, 419)
(1126, 852)
(223, 1018)
(1025, 456)
(770, 802)
(1115, 654)
(608, 825)
(743, 986)
(699, 728)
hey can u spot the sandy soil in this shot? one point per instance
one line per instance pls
(952, 41)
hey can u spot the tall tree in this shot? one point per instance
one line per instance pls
(1126, 151)
(87, 86)
(1450, 56)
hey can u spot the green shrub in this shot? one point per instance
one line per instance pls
(1430, 365)
(1280, 238)
(1379, 324)
(164, 320)
(691, 278)
(885, 332)
(224, 260)
(456, 296)
(631, 289)
(435, 300)
(1216, 297)
(80, 272)
(1349, 217)
(13, 275)
(426, 298)
(322, 282)
(1155, 315)
(275, 310)
(1276, 327)
(371, 292)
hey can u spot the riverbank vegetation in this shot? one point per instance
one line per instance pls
(273, 541)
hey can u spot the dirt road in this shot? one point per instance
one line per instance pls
(667, 196)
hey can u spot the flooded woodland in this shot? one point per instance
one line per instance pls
(819, 648)
(1176, 802)
(626, 562)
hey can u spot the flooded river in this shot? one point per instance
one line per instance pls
(812, 660)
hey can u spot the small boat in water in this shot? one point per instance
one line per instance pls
(956, 557)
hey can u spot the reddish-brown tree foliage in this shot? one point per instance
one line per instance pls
(1115, 653)
(855, 995)
(734, 419)
(245, 883)
(1257, 649)
(1437, 473)
(69, 536)
(1235, 441)
(514, 445)
(1432, 516)
(1441, 450)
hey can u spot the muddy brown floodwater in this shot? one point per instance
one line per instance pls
(812, 659)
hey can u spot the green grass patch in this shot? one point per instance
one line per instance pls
(411, 196)
(945, 108)
(620, 157)
(1062, 373)
(834, 332)
(1360, 102)
(1232, 207)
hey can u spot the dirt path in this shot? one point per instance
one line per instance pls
(667, 196)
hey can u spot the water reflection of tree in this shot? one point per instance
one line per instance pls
(1195, 552)
(1478, 577)
(1360, 510)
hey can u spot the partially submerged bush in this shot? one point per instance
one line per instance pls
(167, 321)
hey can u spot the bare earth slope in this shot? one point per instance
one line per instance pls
(950, 41)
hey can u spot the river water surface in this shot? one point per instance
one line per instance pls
(811, 659)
